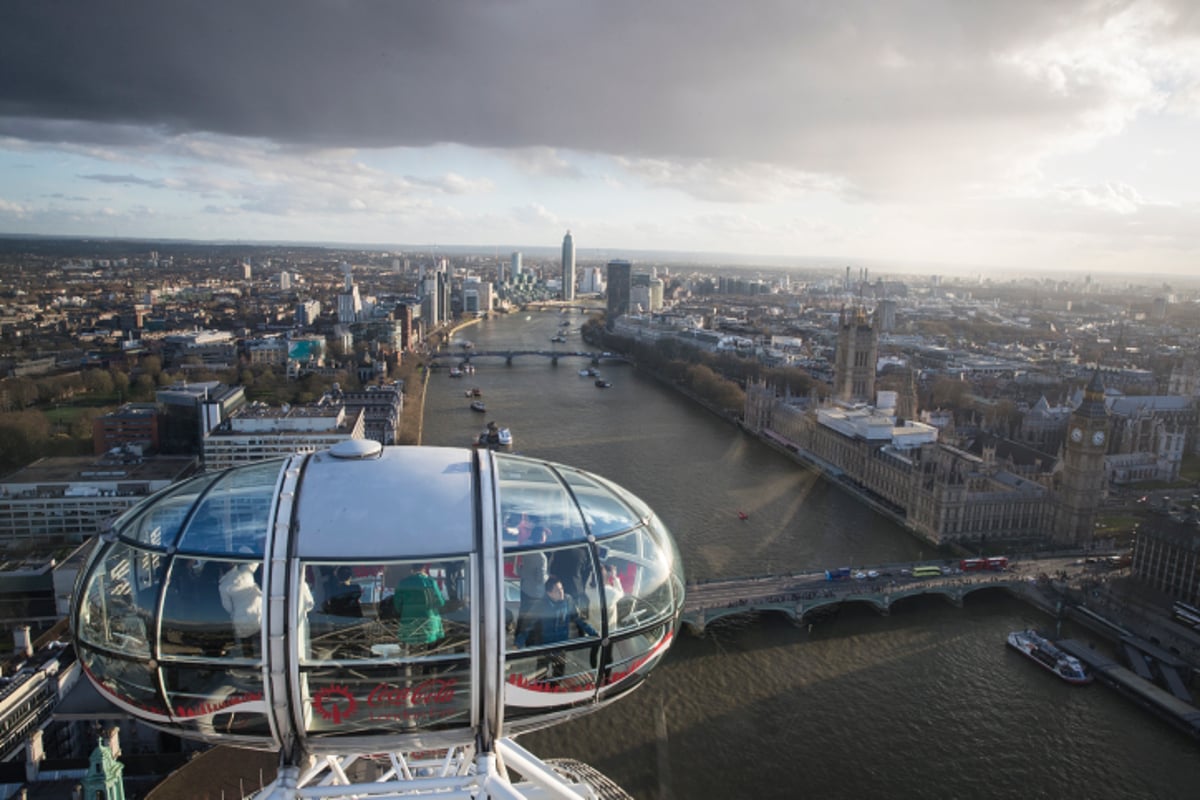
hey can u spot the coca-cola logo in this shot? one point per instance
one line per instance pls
(334, 703)
(429, 692)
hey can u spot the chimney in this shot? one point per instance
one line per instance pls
(22, 642)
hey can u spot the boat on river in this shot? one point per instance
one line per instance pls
(478, 405)
(495, 438)
(602, 384)
(590, 372)
(1042, 652)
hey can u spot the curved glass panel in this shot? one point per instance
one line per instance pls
(641, 571)
(605, 513)
(131, 682)
(636, 653)
(554, 678)
(161, 516)
(385, 612)
(119, 601)
(203, 598)
(532, 498)
(234, 516)
(553, 591)
(374, 700)
(217, 700)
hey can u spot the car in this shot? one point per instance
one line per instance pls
(860, 576)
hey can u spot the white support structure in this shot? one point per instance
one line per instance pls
(455, 774)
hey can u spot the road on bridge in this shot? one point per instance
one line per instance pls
(747, 591)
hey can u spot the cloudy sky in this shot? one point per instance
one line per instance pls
(1017, 134)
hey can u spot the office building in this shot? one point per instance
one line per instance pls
(257, 432)
(131, 425)
(67, 499)
(620, 290)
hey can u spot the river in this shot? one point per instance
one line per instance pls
(926, 702)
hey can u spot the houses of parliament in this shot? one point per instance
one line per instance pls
(943, 494)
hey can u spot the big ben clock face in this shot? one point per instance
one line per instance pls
(1077, 435)
(1098, 438)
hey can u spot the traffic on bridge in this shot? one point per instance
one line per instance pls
(796, 594)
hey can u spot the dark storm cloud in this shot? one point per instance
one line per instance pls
(802, 82)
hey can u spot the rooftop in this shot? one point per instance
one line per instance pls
(83, 469)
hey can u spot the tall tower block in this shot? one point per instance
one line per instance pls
(568, 267)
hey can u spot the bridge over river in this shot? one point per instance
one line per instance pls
(799, 594)
(469, 356)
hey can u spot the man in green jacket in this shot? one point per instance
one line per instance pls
(418, 601)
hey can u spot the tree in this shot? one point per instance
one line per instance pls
(150, 365)
(143, 388)
(97, 381)
(120, 383)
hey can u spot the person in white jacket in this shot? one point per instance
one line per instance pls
(242, 598)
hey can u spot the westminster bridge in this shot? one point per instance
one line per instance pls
(805, 595)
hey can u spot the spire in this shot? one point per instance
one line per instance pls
(1093, 405)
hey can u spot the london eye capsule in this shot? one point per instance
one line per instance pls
(371, 599)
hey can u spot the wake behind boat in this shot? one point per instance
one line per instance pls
(1042, 651)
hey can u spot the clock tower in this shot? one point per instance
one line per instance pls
(1081, 482)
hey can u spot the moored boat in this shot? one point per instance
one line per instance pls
(1042, 651)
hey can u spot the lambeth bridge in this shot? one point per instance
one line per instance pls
(804, 597)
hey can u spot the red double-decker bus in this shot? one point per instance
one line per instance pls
(997, 563)
(972, 564)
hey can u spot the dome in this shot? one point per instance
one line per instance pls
(365, 598)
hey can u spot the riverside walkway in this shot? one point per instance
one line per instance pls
(799, 594)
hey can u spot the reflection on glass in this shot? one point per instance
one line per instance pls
(635, 653)
(394, 610)
(531, 498)
(637, 569)
(232, 518)
(217, 700)
(159, 520)
(241, 597)
(604, 512)
(131, 682)
(195, 621)
(119, 601)
(387, 699)
(550, 674)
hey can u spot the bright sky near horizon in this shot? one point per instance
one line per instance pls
(1014, 134)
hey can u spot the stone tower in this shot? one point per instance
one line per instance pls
(857, 351)
(1081, 483)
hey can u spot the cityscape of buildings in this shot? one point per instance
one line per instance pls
(979, 414)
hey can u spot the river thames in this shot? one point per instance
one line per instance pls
(927, 702)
